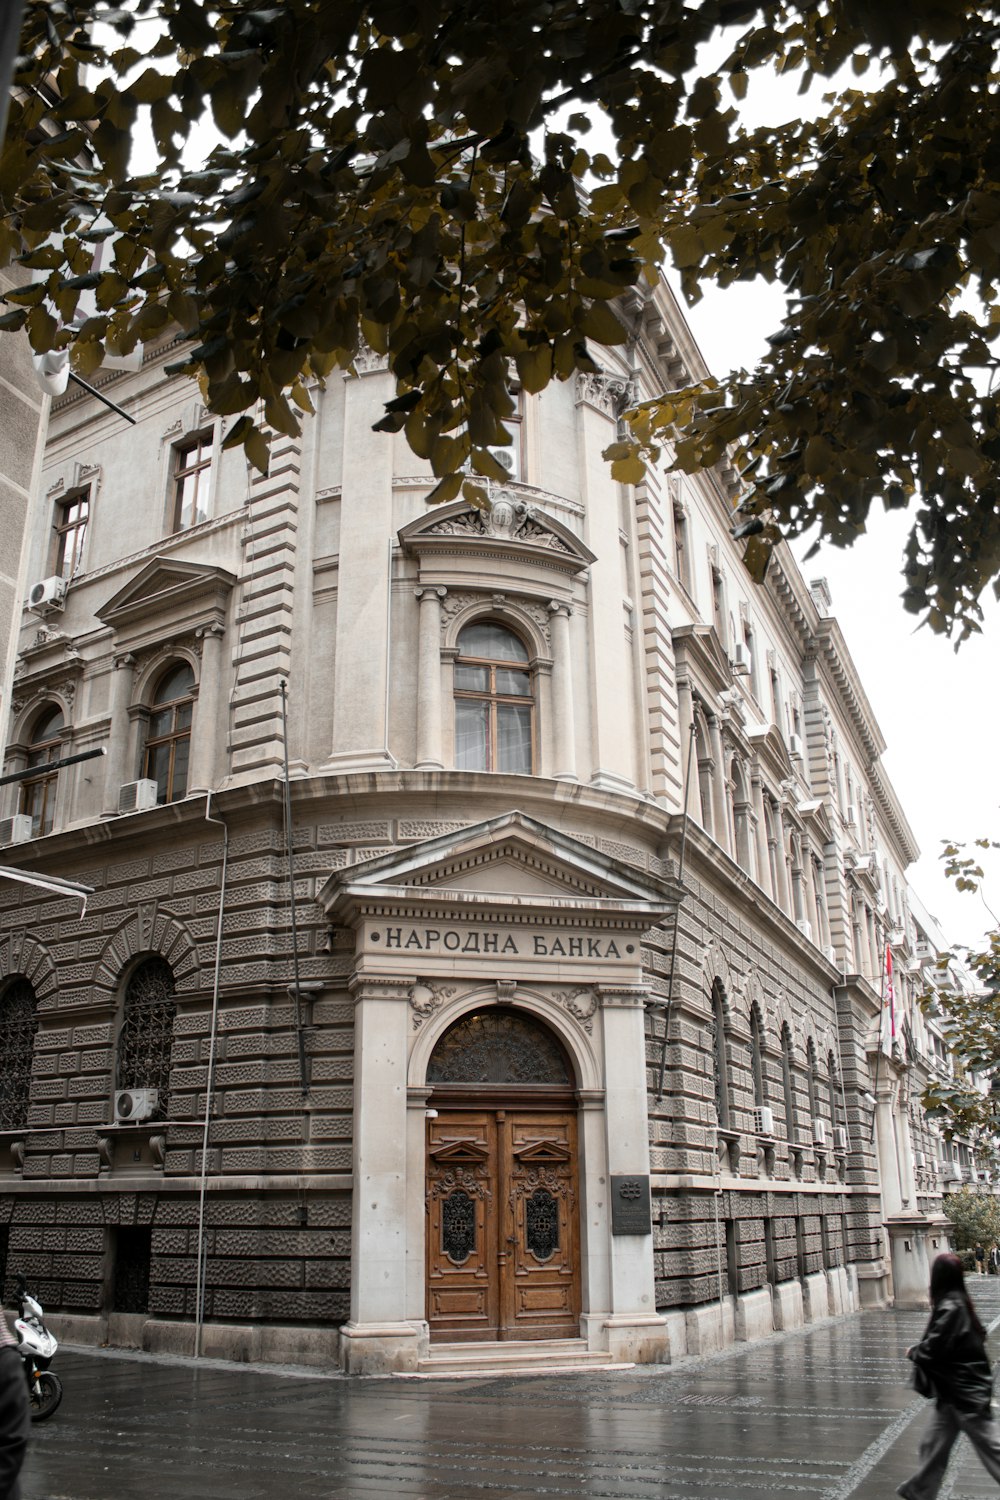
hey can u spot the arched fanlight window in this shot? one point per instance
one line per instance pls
(38, 792)
(18, 1024)
(168, 737)
(494, 701)
(787, 1082)
(498, 1046)
(720, 1059)
(147, 1030)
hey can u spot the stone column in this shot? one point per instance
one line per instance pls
(632, 1324)
(379, 1338)
(210, 713)
(563, 713)
(117, 768)
(720, 809)
(783, 893)
(429, 699)
(689, 747)
(885, 1135)
(760, 830)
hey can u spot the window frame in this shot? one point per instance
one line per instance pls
(175, 736)
(45, 783)
(494, 698)
(71, 534)
(202, 444)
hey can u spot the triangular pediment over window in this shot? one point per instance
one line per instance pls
(168, 596)
(511, 864)
(458, 546)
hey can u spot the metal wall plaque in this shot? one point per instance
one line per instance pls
(631, 1211)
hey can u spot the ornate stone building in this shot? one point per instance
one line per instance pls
(487, 934)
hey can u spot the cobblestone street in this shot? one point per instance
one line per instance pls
(824, 1413)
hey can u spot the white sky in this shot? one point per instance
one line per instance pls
(938, 710)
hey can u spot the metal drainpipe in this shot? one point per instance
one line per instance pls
(209, 1084)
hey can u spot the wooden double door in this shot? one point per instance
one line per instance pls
(503, 1255)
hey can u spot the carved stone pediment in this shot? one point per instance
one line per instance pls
(457, 545)
(167, 596)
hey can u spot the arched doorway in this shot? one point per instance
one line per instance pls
(503, 1257)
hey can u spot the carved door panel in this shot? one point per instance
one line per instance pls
(502, 1226)
(540, 1272)
(463, 1294)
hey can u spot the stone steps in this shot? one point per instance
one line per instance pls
(513, 1357)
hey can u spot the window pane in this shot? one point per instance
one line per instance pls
(176, 683)
(493, 642)
(472, 735)
(178, 786)
(472, 679)
(514, 737)
(158, 769)
(160, 724)
(513, 684)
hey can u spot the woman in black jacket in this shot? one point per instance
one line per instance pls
(952, 1352)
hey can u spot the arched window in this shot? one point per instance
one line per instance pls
(836, 1103)
(168, 737)
(147, 1030)
(499, 1047)
(720, 1059)
(494, 701)
(38, 792)
(812, 1081)
(18, 1024)
(757, 1058)
(742, 819)
(787, 1083)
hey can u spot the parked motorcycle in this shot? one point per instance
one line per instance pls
(37, 1347)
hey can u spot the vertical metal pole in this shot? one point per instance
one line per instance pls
(199, 1295)
(11, 16)
(673, 944)
(304, 1086)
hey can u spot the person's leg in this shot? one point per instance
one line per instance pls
(984, 1435)
(15, 1420)
(935, 1447)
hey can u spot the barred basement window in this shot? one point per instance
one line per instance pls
(18, 1024)
(147, 1030)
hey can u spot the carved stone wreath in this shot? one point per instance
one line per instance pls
(426, 998)
(582, 1003)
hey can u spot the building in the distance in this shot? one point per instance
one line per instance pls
(569, 1025)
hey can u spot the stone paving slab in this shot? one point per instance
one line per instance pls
(824, 1414)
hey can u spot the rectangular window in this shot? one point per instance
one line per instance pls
(72, 515)
(192, 471)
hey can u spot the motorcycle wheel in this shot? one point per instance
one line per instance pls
(45, 1394)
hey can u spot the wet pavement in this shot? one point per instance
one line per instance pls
(824, 1413)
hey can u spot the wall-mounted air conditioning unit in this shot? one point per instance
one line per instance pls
(951, 1171)
(841, 1140)
(924, 951)
(15, 830)
(819, 1132)
(805, 927)
(918, 1158)
(795, 745)
(830, 954)
(133, 1105)
(47, 594)
(763, 1120)
(741, 660)
(137, 796)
